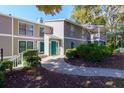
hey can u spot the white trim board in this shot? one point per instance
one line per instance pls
(26, 37)
(10, 35)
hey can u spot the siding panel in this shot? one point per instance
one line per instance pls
(5, 25)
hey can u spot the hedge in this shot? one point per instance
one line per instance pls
(90, 52)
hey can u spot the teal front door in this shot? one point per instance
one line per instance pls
(54, 47)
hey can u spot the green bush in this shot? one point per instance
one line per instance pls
(2, 67)
(2, 79)
(93, 52)
(71, 53)
(6, 65)
(31, 58)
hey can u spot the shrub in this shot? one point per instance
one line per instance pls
(31, 58)
(6, 65)
(2, 79)
(71, 53)
(2, 68)
(93, 52)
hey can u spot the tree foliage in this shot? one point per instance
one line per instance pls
(114, 14)
(85, 13)
(108, 15)
(49, 9)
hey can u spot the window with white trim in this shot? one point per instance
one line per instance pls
(24, 45)
(22, 29)
(25, 29)
(29, 45)
(29, 30)
(42, 31)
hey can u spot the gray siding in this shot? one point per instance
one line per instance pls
(77, 33)
(67, 43)
(6, 44)
(5, 25)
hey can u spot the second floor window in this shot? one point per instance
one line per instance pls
(29, 30)
(72, 30)
(25, 29)
(41, 31)
(22, 29)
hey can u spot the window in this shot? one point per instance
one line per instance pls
(29, 45)
(41, 31)
(42, 47)
(72, 44)
(22, 46)
(72, 30)
(29, 31)
(25, 29)
(22, 29)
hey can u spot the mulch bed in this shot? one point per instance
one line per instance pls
(116, 61)
(35, 78)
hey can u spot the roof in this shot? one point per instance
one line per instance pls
(67, 20)
(11, 16)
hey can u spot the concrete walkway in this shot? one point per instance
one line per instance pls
(57, 64)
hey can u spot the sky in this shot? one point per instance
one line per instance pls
(30, 12)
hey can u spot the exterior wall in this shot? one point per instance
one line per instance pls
(67, 43)
(58, 30)
(36, 27)
(62, 29)
(9, 40)
(16, 44)
(6, 44)
(76, 33)
(5, 24)
(86, 35)
(15, 26)
(35, 38)
(5, 35)
(48, 30)
(46, 43)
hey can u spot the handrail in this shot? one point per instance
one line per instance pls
(17, 60)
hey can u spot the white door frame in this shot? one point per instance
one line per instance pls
(58, 51)
(38, 46)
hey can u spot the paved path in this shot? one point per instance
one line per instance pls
(57, 64)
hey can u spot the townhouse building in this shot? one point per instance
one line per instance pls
(18, 35)
(50, 37)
